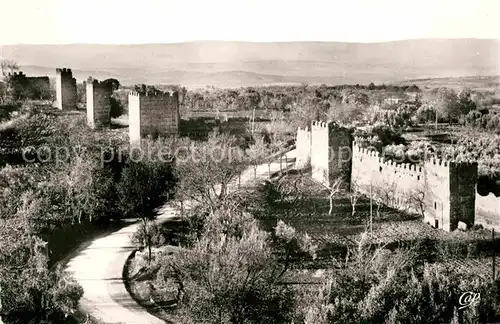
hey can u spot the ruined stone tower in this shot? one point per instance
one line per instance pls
(65, 89)
(153, 115)
(98, 104)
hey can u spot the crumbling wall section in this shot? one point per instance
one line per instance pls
(23, 87)
(39, 87)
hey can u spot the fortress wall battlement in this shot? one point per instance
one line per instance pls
(303, 147)
(443, 188)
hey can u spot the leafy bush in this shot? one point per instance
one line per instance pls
(116, 109)
(396, 287)
(229, 280)
(85, 184)
(232, 271)
(7, 109)
(29, 291)
(143, 186)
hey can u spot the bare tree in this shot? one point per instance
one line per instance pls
(333, 190)
(8, 66)
(203, 176)
(353, 198)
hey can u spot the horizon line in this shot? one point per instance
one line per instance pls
(253, 42)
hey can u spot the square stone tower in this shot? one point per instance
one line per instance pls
(153, 115)
(450, 193)
(98, 104)
(65, 89)
(303, 147)
(331, 147)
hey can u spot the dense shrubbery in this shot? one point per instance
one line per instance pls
(7, 110)
(379, 136)
(397, 287)
(87, 182)
(300, 104)
(226, 279)
(232, 273)
(487, 121)
(415, 152)
(477, 146)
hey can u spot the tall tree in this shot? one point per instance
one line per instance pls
(207, 168)
(8, 66)
(257, 152)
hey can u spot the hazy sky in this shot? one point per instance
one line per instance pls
(157, 21)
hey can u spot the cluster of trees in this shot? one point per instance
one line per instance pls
(301, 101)
(477, 146)
(379, 136)
(440, 105)
(299, 105)
(483, 120)
(6, 67)
(79, 178)
(375, 284)
(229, 270)
(380, 286)
(232, 273)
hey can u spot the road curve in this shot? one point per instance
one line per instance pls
(98, 267)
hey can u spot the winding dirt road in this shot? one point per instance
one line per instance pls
(98, 266)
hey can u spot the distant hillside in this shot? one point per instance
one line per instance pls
(479, 83)
(242, 63)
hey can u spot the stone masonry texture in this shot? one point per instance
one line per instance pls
(153, 115)
(98, 104)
